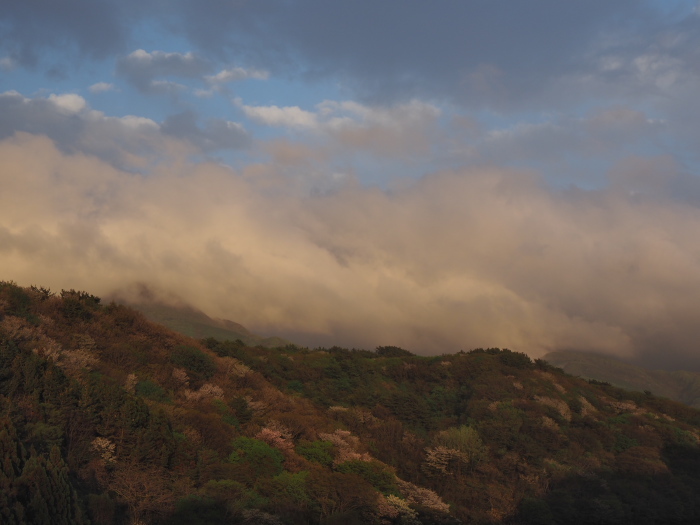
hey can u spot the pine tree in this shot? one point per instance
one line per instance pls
(13, 455)
(47, 493)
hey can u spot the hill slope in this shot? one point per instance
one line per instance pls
(679, 385)
(195, 323)
(108, 417)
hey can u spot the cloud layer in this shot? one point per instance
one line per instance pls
(459, 259)
(361, 173)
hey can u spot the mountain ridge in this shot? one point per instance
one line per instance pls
(679, 385)
(109, 418)
(193, 322)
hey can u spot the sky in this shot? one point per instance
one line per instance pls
(438, 176)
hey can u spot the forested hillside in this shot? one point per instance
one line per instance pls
(107, 418)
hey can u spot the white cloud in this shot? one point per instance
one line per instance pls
(68, 103)
(481, 257)
(333, 115)
(235, 74)
(128, 142)
(288, 116)
(101, 87)
(135, 122)
(403, 129)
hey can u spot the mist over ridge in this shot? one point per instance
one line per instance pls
(458, 259)
(473, 174)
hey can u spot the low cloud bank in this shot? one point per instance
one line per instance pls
(455, 260)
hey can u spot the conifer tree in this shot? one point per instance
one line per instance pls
(13, 454)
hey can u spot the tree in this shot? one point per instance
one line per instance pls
(143, 489)
(200, 365)
(48, 496)
(257, 459)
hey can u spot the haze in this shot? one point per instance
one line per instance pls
(433, 176)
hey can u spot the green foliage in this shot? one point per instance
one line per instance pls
(375, 473)
(17, 302)
(317, 451)
(224, 348)
(409, 407)
(343, 497)
(265, 460)
(78, 305)
(464, 439)
(392, 351)
(67, 434)
(151, 390)
(501, 428)
(515, 359)
(684, 438)
(241, 409)
(224, 489)
(227, 414)
(196, 362)
(624, 442)
(42, 293)
(36, 489)
(42, 435)
(295, 385)
(290, 487)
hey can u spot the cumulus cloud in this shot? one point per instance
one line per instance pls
(101, 87)
(288, 117)
(234, 74)
(218, 83)
(68, 103)
(401, 129)
(459, 259)
(591, 92)
(128, 142)
(145, 70)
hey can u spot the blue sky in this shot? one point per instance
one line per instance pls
(380, 160)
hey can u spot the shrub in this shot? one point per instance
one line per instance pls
(375, 473)
(199, 364)
(242, 410)
(515, 359)
(78, 305)
(265, 460)
(290, 487)
(393, 351)
(151, 390)
(17, 302)
(316, 451)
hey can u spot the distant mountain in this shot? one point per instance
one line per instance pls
(195, 323)
(680, 385)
